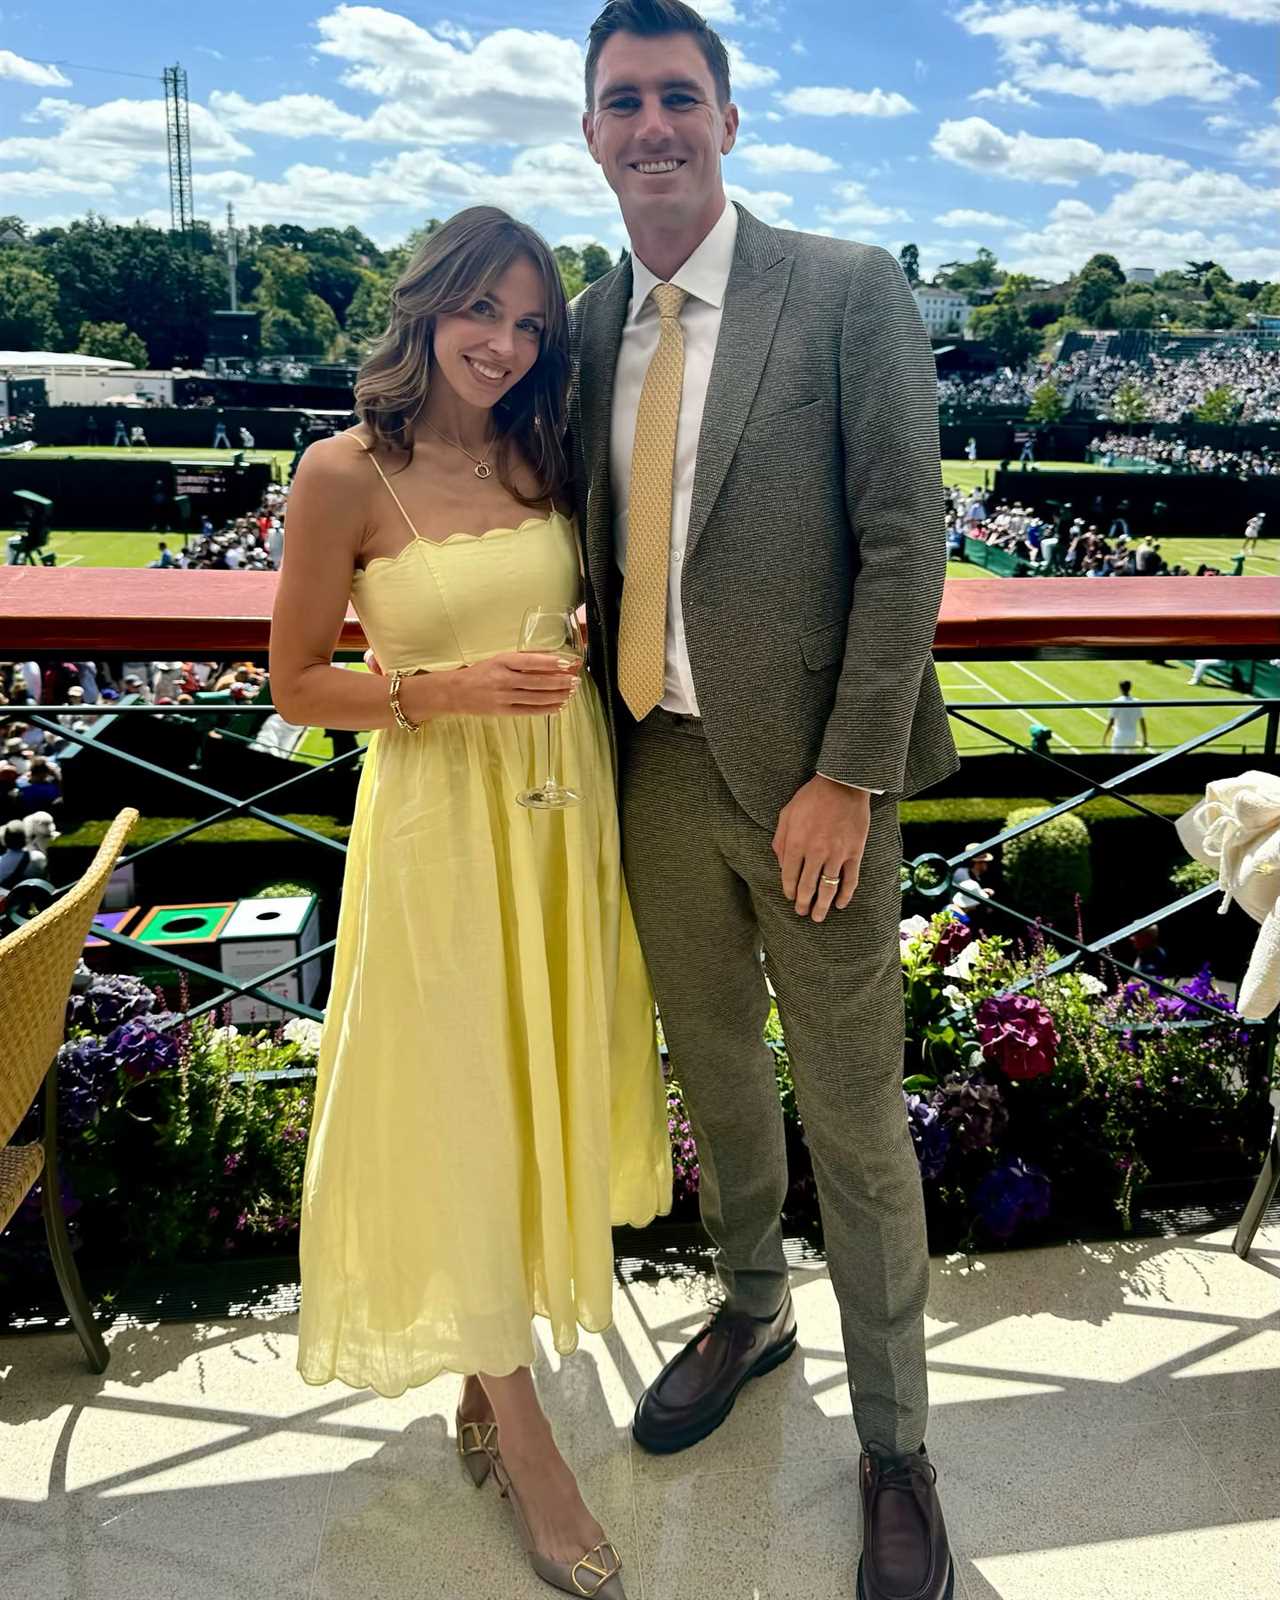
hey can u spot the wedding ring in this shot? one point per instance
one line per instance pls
(834, 882)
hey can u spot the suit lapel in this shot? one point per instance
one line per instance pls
(753, 300)
(603, 316)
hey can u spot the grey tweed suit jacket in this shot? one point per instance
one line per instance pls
(816, 554)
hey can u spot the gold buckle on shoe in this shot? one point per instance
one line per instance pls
(484, 1434)
(601, 1574)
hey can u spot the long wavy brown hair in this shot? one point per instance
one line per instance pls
(452, 267)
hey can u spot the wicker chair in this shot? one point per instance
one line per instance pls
(36, 967)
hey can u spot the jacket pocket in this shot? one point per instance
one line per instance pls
(824, 647)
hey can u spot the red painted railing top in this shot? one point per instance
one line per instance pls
(147, 612)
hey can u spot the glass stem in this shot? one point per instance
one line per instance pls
(551, 760)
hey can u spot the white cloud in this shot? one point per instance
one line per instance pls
(1222, 123)
(979, 145)
(1232, 10)
(38, 184)
(744, 74)
(37, 73)
(1006, 93)
(292, 116)
(767, 204)
(719, 11)
(1058, 50)
(1262, 145)
(1160, 223)
(858, 210)
(451, 30)
(962, 218)
(784, 158)
(116, 141)
(514, 87)
(838, 102)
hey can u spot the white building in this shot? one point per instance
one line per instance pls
(943, 310)
(81, 380)
(1140, 275)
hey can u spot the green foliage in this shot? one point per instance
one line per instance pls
(162, 287)
(1047, 867)
(570, 264)
(1052, 335)
(982, 272)
(1192, 875)
(595, 262)
(1218, 406)
(113, 342)
(28, 304)
(1047, 404)
(1129, 403)
(295, 320)
(1005, 328)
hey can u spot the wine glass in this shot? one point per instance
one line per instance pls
(553, 633)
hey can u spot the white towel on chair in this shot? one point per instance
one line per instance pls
(1236, 828)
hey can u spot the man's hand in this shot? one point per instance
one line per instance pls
(821, 834)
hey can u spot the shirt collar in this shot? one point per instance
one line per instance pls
(704, 276)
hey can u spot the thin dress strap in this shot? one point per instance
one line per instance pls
(378, 466)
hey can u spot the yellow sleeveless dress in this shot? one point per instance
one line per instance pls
(489, 1097)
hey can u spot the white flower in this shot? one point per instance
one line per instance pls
(1090, 984)
(305, 1033)
(227, 1036)
(955, 995)
(962, 966)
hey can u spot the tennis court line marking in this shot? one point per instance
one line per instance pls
(1061, 693)
(996, 695)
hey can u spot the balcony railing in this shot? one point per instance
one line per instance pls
(61, 613)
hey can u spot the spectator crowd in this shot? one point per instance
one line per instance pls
(1177, 455)
(1169, 387)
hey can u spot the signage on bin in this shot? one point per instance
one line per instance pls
(262, 934)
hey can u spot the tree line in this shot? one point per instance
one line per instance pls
(1023, 317)
(131, 292)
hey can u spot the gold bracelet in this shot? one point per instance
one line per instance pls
(397, 710)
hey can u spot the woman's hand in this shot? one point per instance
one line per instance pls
(516, 683)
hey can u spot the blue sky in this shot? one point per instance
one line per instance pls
(1043, 130)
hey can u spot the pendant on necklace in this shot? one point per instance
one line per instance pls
(483, 469)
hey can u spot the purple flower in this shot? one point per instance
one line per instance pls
(973, 1110)
(86, 1075)
(1195, 999)
(930, 1135)
(1017, 1035)
(141, 1049)
(109, 1000)
(231, 1162)
(1011, 1194)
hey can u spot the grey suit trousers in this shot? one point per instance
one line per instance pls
(706, 893)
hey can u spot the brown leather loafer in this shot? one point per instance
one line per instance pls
(695, 1391)
(905, 1555)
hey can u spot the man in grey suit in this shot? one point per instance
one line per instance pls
(755, 422)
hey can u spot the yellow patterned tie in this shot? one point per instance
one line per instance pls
(642, 631)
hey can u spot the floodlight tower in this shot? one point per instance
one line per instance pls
(178, 123)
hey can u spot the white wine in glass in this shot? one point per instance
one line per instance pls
(551, 633)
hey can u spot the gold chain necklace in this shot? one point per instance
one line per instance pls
(483, 469)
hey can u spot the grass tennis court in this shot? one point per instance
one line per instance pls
(280, 459)
(1079, 731)
(1074, 731)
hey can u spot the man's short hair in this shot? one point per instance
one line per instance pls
(650, 19)
(1125, 685)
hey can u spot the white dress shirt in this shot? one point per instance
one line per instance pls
(705, 278)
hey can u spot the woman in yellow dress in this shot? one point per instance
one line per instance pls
(489, 1098)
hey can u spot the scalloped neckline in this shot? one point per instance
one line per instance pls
(470, 538)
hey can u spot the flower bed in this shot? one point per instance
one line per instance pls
(1032, 1114)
